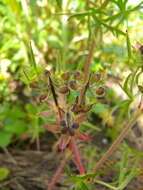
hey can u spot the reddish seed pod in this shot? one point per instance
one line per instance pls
(75, 125)
(73, 84)
(63, 123)
(77, 109)
(71, 132)
(64, 90)
(42, 97)
(64, 130)
(141, 49)
(96, 77)
(100, 91)
(77, 75)
(66, 76)
(46, 73)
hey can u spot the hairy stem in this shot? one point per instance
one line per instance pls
(77, 156)
(87, 70)
(57, 174)
(93, 3)
(113, 147)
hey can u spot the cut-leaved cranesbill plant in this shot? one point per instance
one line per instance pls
(68, 115)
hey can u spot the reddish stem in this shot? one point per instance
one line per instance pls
(113, 147)
(77, 156)
(57, 174)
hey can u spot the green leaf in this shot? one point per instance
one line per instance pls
(90, 125)
(59, 3)
(128, 44)
(4, 172)
(99, 108)
(26, 76)
(126, 86)
(18, 127)
(84, 177)
(84, 186)
(32, 59)
(15, 6)
(5, 138)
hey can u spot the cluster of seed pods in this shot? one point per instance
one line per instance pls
(71, 81)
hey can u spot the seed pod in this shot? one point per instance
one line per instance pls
(77, 109)
(73, 84)
(71, 132)
(75, 125)
(64, 90)
(42, 97)
(96, 77)
(34, 84)
(46, 73)
(66, 76)
(64, 130)
(140, 88)
(141, 49)
(100, 91)
(63, 123)
(88, 107)
(77, 75)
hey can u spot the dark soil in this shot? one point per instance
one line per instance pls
(32, 170)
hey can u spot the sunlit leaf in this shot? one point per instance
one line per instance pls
(4, 172)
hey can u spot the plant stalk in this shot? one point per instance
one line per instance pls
(77, 157)
(57, 174)
(117, 141)
(87, 70)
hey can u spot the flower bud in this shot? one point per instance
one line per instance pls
(73, 84)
